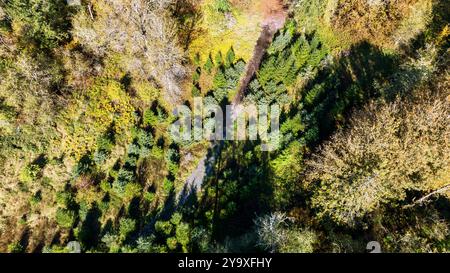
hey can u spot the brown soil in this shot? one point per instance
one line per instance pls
(274, 13)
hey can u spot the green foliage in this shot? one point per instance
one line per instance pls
(371, 170)
(89, 115)
(172, 243)
(195, 92)
(174, 233)
(164, 227)
(299, 241)
(417, 230)
(132, 190)
(230, 57)
(225, 80)
(64, 199)
(36, 198)
(176, 218)
(126, 227)
(219, 80)
(149, 196)
(30, 173)
(15, 247)
(196, 76)
(281, 41)
(123, 178)
(218, 59)
(112, 242)
(84, 166)
(168, 185)
(222, 5)
(182, 235)
(173, 158)
(208, 64)
(65, 218)
(276, 233)
(290, 55)
(104, 146)
(44, 23)
(197, 59)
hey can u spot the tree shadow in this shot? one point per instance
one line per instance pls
(350, 81)
(108, 227)
(440, 19)
(235, 189)
(25, 237)
(134, 210)
(40, 161)
(89, 234)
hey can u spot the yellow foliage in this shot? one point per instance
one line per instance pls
(146, 92)
(109, 106)
(383, 23)
(206, 82)
(314, 16)
(415, 23)
(445, 33)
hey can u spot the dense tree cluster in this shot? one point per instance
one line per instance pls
(390, 149)
(86, 99)
(143, 32)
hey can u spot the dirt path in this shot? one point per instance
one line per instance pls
(275, 16)
(274, 19)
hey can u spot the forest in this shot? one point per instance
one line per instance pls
(88, 92)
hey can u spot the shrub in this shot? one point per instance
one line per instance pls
(222, 5)
(230, 57)
(172, 243)
(195, 91)
(164, 227)
(299, 241)
(176, 218)
(126, 227)
(182, 235)
(64, 199)
(208, 64)
(29, 173)
(42, 22)
(168, 185)
(276, 233)
(15, 247)
(382, 156)
(375, 21)
(145, 49)
(65, 218)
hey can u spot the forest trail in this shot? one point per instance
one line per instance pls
(275, 15)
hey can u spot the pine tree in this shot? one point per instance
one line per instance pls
(229, 59)
(267, 71)
(219, 80)
(218, 59)
(209, 64)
